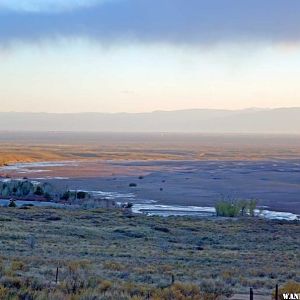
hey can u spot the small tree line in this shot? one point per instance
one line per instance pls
(28, 189)
(25, 188)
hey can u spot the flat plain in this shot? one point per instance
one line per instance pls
(170, 169)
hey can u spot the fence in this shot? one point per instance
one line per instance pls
(276, 297)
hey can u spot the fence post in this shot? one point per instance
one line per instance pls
(251, 294)
(276, 292)
(56, 277)
(173, 279)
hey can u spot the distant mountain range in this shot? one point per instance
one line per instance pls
(281, 120)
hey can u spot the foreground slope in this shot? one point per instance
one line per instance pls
(109, 251)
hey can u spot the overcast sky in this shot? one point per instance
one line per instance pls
(145, 55)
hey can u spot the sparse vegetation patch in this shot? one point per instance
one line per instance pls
(105, 254)
(226, 208)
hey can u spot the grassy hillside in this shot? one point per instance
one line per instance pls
(119, 257)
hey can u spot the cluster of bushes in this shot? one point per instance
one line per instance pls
(75, 287)
(25, 188)
(86, 200)
(75, 283)
(73, 195)
(232, 209)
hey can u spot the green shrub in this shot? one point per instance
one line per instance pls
(2, 268)
(212, 290)
(66, 195)
(18, 265)
(81, 195)
(105, 285)
(3, 292)
(48, 196)
(12, 203)
(178, 291)
(75, 279)
(236, 208)
(227, 209)
(39, 191)
(252, 206)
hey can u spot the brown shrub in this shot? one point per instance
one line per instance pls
(290, 287)
(178, 291)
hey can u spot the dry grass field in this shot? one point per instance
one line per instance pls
(107, 255)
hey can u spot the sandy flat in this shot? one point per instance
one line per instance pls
(274, 183)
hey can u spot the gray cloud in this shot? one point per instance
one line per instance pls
(167, 21)
(46, 5)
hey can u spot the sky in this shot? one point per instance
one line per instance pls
(147, 55)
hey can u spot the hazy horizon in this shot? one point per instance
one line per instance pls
(159, 110)
(280, 121)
